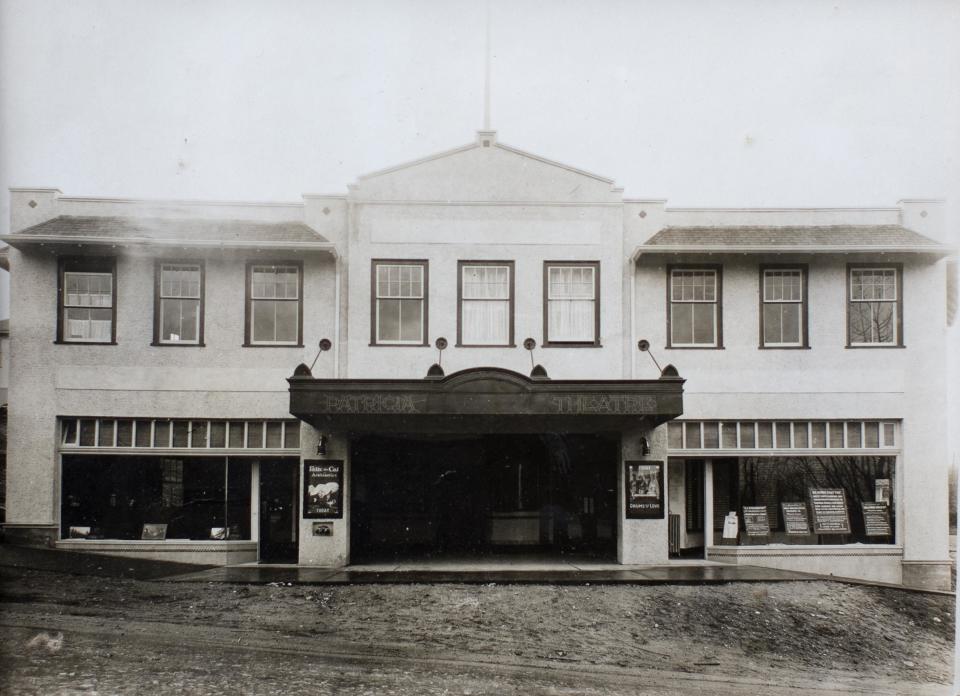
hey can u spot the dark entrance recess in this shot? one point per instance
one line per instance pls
(279, 518)
(467, 496)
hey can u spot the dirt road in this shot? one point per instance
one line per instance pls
(128, 636)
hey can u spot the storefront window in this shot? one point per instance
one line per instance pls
(106, 497)
(848, 499)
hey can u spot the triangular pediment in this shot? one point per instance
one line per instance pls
(486, 171)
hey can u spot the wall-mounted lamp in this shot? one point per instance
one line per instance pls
(536, 371)
(322, 444)
(644, 447)
(436, 370)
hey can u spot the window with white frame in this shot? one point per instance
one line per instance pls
(874, 308)
(179, 303)
(572, 299)
(486, 304)
(274, 314)
(694, 312)
(400, 305)
(783, 312)
(87, 302)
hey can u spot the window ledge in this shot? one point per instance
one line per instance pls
(783, 347)
(399, 345)
(875, 347)
(694, 348)
(157, 344)
(85, 343)
(485, 345)
(260, 345)
(560, 344)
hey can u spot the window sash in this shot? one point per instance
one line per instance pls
(782, 324)
(783, 286)
(172, 315)
(874, 306)
(571, 303)
(405, 308)
(882, 329)
(873, 285)
(485, 282)
(81, 284)
(690, 320)
(275, 283)
(180, 281)
(485, 304)
(267, 316)
(87, 324)
(400, 281)
(275, 307)
(399, 297)
(571, 282)
(694, 308)
(686, 285)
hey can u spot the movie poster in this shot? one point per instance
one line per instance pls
(322, 489)
(644, 488)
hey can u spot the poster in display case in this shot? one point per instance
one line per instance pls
(322, 489)
(644, 489)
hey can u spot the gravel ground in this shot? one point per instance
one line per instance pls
(820, 632)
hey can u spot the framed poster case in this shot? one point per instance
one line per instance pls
(643, 485)
(323, 489)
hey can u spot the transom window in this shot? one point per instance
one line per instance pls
(874, 310)
(486, 304)
(180, 302)
(780, 435)
(694, 313)
(274, 315)
(783, 310)
(572, 292)
(400, 292)
(87, 300)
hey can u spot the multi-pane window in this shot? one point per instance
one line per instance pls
(782, 308)
(400, 292)
(486, 304)
(274, 307)
(874, 308)
(694, 312)
(87, 300)
(572, 303)
(179, 303)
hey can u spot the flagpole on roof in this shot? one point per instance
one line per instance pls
(486, 81)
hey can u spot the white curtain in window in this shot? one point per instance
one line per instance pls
(485, 318)
(571, 304)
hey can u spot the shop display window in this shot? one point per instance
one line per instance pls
(857, 488)
(116, 496)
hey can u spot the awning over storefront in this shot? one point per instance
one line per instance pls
(182, 233)
(484, 400)
(810, 239)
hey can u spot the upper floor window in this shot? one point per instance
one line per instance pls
(274, 305)
(695, 313)
(486, 303)
(571, 313)
(87, 295)
(179, 304)
(783, 307)
(399, 309)
(875, 306)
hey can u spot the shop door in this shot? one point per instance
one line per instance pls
(278, 510)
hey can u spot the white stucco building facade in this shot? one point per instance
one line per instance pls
(166, 380)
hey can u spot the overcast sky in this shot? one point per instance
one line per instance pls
(768, 103)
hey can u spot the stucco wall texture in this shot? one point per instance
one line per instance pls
(484, 201)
